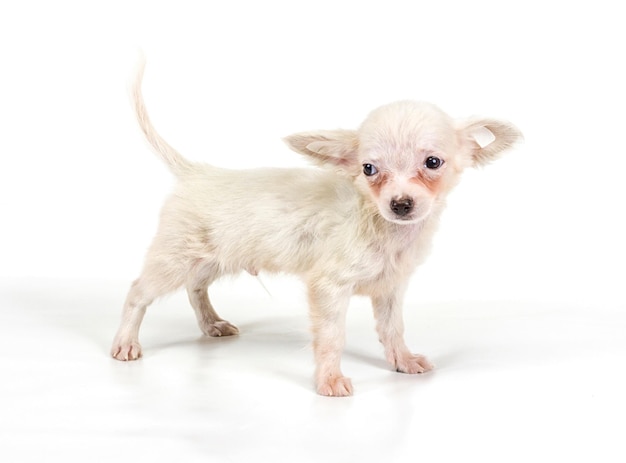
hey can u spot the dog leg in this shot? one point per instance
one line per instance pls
(209, 321)
(390, 328)
(142, 292)
(160, 276)
(328, 305)
(126, 343)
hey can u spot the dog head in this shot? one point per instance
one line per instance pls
(407, 155)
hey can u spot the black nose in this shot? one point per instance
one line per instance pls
(401, 206)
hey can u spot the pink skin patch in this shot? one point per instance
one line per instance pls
(421, 189)
(433, 185)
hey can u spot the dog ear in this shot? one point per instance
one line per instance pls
(335, 148)
(487, 138)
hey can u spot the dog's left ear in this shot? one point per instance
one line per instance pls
(329, 148)
(487, 138)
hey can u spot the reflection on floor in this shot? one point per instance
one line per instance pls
(515, 381)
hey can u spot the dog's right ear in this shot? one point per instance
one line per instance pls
(329, 148)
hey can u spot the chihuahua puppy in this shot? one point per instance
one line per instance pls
(360, 224)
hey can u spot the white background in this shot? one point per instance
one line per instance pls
(538, 235)
(80, 191)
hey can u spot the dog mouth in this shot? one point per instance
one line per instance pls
(416, 214)
(405, 220)
(404, 210)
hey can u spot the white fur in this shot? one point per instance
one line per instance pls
(333, 226)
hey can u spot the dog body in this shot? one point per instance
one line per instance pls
(359, 225)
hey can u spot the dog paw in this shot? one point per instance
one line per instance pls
(219, 328)
(335, 387)
(125, 351)
(413, 364)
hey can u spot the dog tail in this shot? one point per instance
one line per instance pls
(175, 161)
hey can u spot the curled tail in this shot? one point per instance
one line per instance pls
(177, 164)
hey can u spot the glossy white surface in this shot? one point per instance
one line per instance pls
(515, 381)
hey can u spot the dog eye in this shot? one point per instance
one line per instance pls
(433, 162)
(369, 170)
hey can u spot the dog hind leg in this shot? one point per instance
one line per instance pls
(197, 289)
(150, 285)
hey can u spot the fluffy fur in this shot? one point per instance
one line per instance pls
(358, 225)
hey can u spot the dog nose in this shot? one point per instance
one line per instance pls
(401, 206)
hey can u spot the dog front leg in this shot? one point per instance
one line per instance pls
(328, 305)
(390, 328)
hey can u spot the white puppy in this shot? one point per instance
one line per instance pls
(359, 225)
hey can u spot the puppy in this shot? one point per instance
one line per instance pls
(360, 224)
